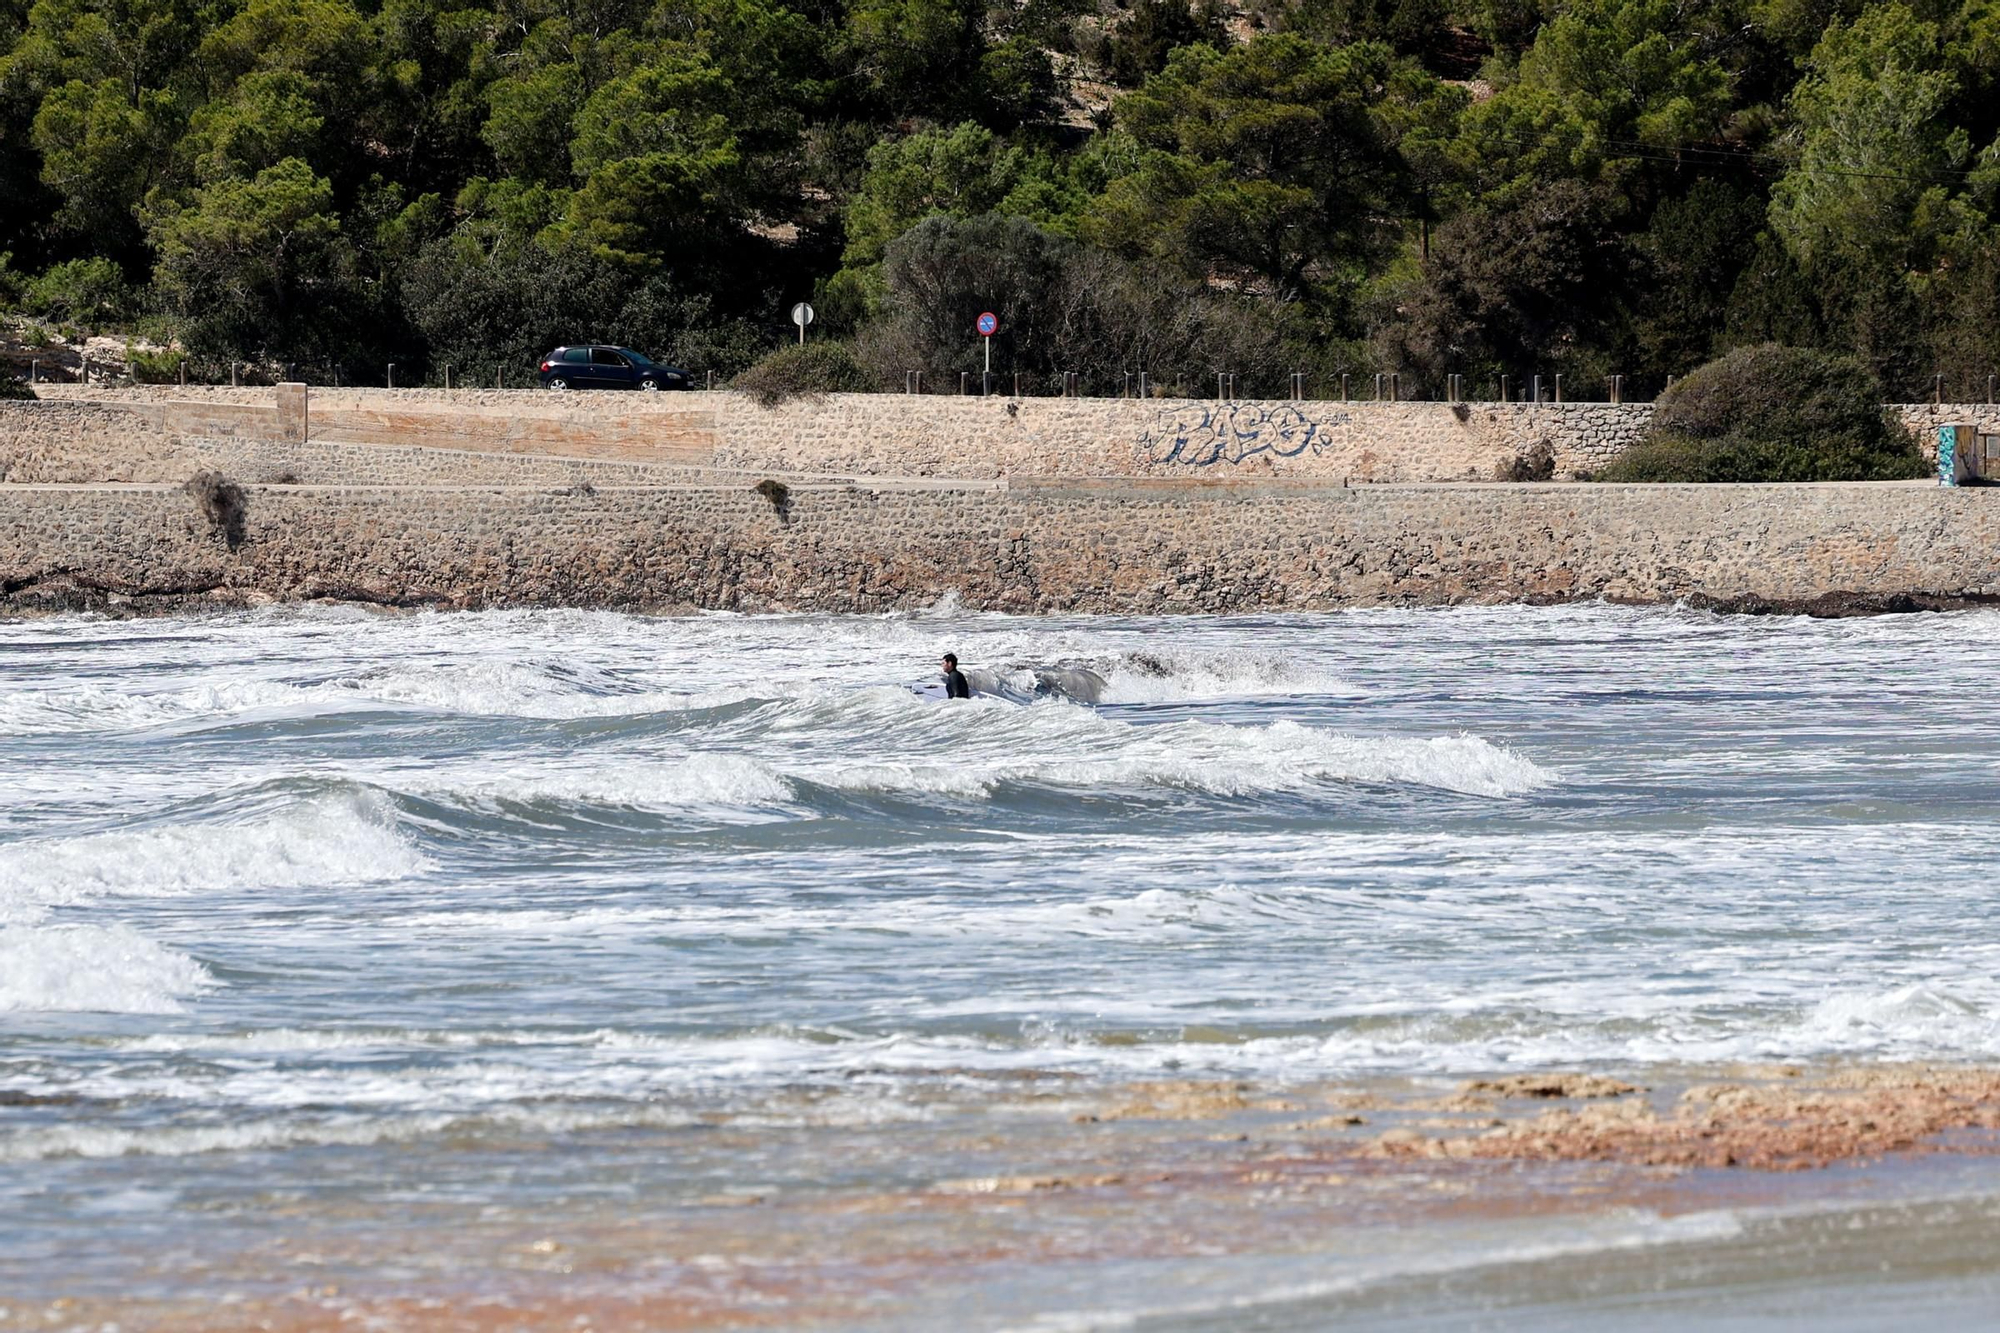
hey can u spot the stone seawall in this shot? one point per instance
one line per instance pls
(922, 435)
(881, 435)
(1021, 546)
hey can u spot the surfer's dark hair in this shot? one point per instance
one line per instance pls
(951, 658)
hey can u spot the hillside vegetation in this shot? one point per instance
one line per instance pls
(1429, 187)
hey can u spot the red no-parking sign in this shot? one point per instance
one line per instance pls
(988, 325)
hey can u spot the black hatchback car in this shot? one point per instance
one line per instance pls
(602, 367)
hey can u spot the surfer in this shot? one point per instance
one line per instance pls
(954, 679)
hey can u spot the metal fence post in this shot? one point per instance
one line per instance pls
(1537, 399)
(1617, 388)
(392, 375)
(964, 383)
(1937, 388)
(1559, 386)
(1343, 388)
(34, 369)
(1503, 388)
(1396, 388)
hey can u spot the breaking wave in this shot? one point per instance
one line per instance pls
(100, 969)
(341, 837)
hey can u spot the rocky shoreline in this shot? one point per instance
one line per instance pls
(1202, 1171)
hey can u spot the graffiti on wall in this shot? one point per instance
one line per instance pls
(1205, 434)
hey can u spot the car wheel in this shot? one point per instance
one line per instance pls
(650, 385)
(558, 383)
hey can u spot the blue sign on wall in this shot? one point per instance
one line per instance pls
(1947, 455)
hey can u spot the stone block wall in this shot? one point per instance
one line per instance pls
(85, 441)
(1923, 419)
(866, 435)
(1124, 547)
(885, 435)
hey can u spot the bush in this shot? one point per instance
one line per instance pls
(1772, 413)
(13, 387)
(158, 367)
(793, 372)
(86, 292)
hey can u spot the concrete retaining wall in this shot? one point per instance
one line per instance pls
(1022, 545)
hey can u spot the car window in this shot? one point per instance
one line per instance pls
(604, 356)
(576, 356)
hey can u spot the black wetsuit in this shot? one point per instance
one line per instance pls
(955, 686)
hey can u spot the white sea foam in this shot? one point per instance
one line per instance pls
(103, 969)
(342, 1130)
(709, 784)
(339, 838)
(1207, 757)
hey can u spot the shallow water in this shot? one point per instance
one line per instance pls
(462, 920)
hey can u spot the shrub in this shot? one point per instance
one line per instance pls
(793, 372)
(81, 291)
(157, 367)
(1772, 413)
(13, 387)
(222, 502)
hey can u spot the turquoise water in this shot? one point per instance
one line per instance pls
(492, 916)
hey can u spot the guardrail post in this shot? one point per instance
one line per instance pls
(1343, 388)
(1559, 386)
(1937, 388)
(1617, 388)
(1396, 388)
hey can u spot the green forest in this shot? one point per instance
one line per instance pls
(1423, 188)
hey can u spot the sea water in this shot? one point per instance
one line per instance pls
(421, 921)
